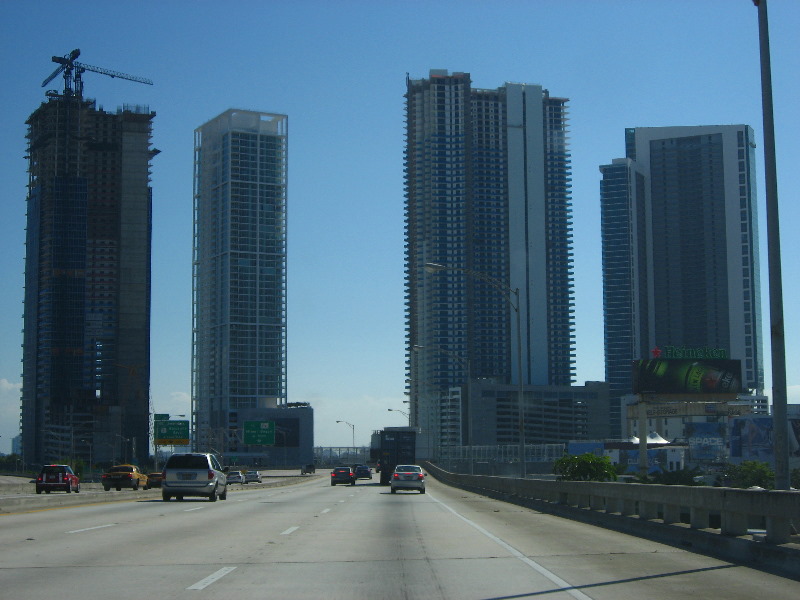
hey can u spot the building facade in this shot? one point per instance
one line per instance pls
(680, 250)
(489, 292)
(86, 340)
(239, 278)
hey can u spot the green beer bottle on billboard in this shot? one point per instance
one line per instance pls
(686, 376)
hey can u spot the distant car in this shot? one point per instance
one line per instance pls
(309, 468)
(343, 475)
(235, 477)
(252, 477)
(194, 474)
(154, 479)
(363, 472)
(57, 478)
(408, 477)
(124, 476)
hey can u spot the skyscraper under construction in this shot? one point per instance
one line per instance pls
(86, 344)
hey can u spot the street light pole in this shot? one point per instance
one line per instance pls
(402, 412)
(507, 291)
(353, 427)
(779, 408)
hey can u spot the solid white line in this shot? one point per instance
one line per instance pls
(290, 530)
(90, 528)
(204, 583)
(191, 509)
(566, 587)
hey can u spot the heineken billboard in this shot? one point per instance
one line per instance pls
(687, 376)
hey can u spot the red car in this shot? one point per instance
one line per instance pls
(59, 478)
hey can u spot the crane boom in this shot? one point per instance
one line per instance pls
(72, 69)
(110, 73)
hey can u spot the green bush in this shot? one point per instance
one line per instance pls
(586, 467)
(748, 474)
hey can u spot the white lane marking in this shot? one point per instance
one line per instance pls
(204, 583)
(326, 510)
(566, 587)
(340, 501)
(290, 530)
(191, 509)
(90, 528)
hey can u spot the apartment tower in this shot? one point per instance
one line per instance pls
(239, 276)
(680, 249)
(488, 241)
(86, 340)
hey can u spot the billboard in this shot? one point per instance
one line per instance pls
(706, 441)
(687, 376)
(751, 439)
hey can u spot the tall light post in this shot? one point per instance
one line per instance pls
(402, 412)
(512, 296)
(778, 347)
(353, 427)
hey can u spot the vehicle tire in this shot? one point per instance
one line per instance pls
(179, 498)
(135, 486)
(69, 488)
(422, 491)
(106, 488)
(353, 482)
(394, 491)
(213, 496)
(165, 497)
(38, 490)
(224, 494)
(78, 489)
(332, 483)
(119, 489)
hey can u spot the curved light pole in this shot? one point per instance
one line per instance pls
(353, 427)
(402, 412)
(512, 295)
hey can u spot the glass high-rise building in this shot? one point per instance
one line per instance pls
(680, 249)
(239, 276)
(86, 341)
(487, 178)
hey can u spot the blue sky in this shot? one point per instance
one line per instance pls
(338, 70)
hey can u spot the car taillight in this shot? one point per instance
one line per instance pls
(396, 476)
(210, 474)
(421, 476)
(39, 479)
(333, 474)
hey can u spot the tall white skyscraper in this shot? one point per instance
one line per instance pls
(239, 276)
(488, 201)
(680, 249)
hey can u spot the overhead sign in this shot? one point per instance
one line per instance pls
(160, 417)
(171, 433)
(259, 433)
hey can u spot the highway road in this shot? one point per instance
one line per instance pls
(313, 540)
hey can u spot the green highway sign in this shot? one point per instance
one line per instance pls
(160, 417)
(259, 433)
(171, 433)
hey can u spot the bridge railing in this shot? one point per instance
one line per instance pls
(733, 511)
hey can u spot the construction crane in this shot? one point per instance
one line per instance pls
(73, 84)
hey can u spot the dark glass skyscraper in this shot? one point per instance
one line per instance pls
(86, 344)
(488, 200)
(680, 249)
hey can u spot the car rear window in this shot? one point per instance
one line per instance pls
(119, 469)
(53, 469)
(408, 469)
(186, 461)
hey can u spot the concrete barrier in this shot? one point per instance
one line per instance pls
(755, 527)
